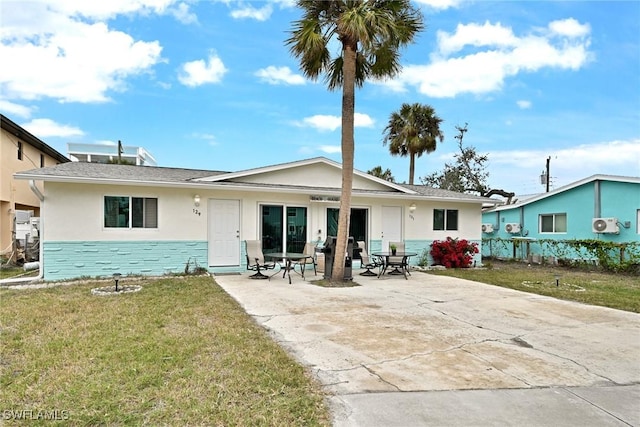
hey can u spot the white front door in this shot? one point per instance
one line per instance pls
(224, 233)
(391, 225)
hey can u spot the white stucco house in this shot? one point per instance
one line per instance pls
(100, 219)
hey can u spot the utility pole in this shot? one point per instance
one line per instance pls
(548, 176)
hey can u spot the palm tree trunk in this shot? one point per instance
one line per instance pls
(412, 167)
(348, 109)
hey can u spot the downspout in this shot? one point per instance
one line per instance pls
(597, 204)
(40, 275)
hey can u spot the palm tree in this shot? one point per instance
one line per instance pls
(413, 131)
(378, 172)
(370, 33)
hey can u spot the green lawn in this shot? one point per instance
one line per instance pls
(179, 352)
(7, 272)
(617, 291)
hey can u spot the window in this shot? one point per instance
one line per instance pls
(553, 223)
(445, 219)
(19, 150)
(284, 228)
(41, 160)
(130, 212)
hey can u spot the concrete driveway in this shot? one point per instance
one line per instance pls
(441, 351)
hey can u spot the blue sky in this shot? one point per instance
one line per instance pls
(211, 84)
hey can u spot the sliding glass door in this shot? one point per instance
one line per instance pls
(283, 229)
(357, 223)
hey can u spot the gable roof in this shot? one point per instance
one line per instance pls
(300, 163)
(113, 173)
(103, 173)
(18, 131)
(592, 178)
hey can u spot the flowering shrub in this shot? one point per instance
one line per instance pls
(453, 253)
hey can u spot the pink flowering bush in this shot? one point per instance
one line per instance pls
(453, 253)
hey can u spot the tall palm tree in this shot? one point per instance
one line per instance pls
(413, 131)
(370, 33)
(378, 172)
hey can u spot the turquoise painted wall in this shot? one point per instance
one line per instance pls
(617, 199)
(67, 260)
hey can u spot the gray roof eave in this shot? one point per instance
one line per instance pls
(246, 187)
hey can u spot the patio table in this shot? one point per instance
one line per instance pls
(289, 258)
(398, 268)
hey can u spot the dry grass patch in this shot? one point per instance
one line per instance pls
(179, 352)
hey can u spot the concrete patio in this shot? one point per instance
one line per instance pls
(441, 351)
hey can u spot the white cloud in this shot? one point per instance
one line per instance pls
(330, 149)
(43, 128)
(475, 35)
(102, 10)
(83, 60)
(199, 72)
(183, 14)
(440, 4)
(570, 28)
(524, 104)
(277, 75)
(211, 139)
(362, 120)
(492, 53)
(331, 123)
(519, 170)
(323, 122)
(11, 108)
(567, 164)
(250, 12)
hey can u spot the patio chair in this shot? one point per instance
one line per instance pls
(366, 261)
(398, 263)
(255, 259)
(309, 249)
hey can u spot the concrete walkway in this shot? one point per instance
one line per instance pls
(440, 351)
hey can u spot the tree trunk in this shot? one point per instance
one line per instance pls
(347, 143)
(412, 167)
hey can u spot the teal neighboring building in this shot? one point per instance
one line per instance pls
(600, 207)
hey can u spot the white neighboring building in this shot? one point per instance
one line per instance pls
(105, 153)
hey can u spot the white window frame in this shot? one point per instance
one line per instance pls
(130, 219)
(445, 222)
(553, 215)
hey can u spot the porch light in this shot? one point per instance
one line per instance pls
(196, 200)
(412, 207)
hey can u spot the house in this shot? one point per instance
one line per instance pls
(602, 207)
(19, 151)
(99, 219)
(106, 153)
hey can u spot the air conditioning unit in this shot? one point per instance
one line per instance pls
(512, 227)
(605, 225)
(487, 228)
